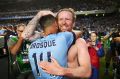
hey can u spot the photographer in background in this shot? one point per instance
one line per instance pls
(117, 39)
(18, 56)
(115, 52)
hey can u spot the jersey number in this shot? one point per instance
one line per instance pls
(41, 59)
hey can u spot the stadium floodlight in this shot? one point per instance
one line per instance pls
(96, 14)
(103, 14)
(86, 14)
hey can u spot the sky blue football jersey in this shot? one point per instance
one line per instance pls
(53, 45)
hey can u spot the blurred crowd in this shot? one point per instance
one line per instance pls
(78, 5)
(98, 23)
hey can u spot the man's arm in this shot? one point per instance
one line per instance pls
(117, 39)
(84, 68)
(29, 30)
(15, 47)
(107, 36)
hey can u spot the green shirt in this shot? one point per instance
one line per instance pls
(22, 55)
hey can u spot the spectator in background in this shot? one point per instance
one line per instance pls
(115, 50)
(106, 44)
(117, 38)
(2, 39)
(2, 30)
(8, 32)
(85, 34)
(14, 46)
(96, 51)
(17, 48)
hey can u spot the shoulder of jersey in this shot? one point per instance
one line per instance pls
(60, 33)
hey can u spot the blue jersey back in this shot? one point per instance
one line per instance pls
(55, 45)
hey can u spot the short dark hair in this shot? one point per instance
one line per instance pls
(21, 24)
(46, 21)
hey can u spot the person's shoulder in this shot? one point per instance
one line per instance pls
(77, 31)
(80, 40)
(36, 40)
(64, 33)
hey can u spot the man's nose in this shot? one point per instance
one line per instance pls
(64, 28)
(63, 22)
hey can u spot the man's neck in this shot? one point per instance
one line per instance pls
(46, 33)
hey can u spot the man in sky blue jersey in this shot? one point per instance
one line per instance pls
(52, 44)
